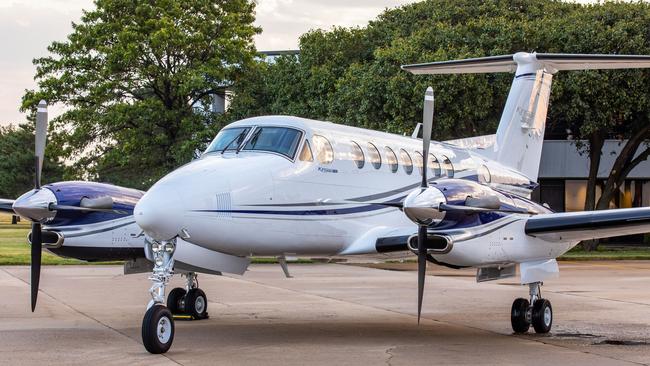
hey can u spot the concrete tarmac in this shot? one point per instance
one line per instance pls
(330, 314)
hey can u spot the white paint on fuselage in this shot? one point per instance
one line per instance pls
(248, 184)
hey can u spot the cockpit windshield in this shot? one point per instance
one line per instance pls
(228, 139)
(281, 140)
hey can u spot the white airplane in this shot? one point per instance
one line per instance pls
(281, 186)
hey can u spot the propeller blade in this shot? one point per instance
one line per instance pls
(427, 126)
(37, 242)
(40, 136)
(472, 210)
(87, 209)
(422, 265)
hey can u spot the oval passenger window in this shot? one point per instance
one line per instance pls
(448, 166)
(407, 163)
(324, 151)
(357, 155)
(434, 165)
(391, 159)
(373, 155)
(418, 161)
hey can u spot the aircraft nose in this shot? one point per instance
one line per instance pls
(160, 212)
(35, 205)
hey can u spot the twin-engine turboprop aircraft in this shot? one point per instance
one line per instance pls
(281, 185)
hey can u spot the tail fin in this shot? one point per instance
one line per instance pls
(520, 134)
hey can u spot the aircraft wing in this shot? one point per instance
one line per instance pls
(5, 206)
(589, 225)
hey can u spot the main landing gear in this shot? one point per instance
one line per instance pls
(190, 300)
(540, 314)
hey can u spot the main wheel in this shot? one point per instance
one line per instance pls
(175, 300)
(196, 303)
(157, 329)
(520, 323)
(542, 316)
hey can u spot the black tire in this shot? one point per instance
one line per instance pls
(155, 341)
(542, 316)
(175, 300)
(196, 303)
(520, 323)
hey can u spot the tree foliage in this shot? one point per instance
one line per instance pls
(17, 173)
(136, 77)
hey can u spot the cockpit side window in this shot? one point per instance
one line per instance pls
(305, 153)
(228, 139)
(281, 140)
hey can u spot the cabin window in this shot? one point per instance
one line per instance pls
(324, 151)
(407, 163)
(417, 157)
(484, 175)
(391, 159)
(448, 166)
(228, 139)
(434, 166)
(373, 154)
(357, 155)
(281, 140)
(305, 153)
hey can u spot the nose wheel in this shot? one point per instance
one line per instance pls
(539, 315)
(157, 329)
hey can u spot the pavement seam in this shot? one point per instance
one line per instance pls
(433, 319)
(86, 315)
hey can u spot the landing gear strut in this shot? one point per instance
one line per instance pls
(158, 322)
(540, 314)
(190, 300)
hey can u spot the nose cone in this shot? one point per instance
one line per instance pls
(160, 212)
(35, 205)
(421, 206)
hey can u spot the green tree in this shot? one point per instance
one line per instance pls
(137, 78)
(17, 167)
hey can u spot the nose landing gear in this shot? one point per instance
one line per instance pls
(158, 322)
(540, 314)
(190, 300)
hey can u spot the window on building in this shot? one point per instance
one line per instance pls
(281, 140)
(391, 159)
(434, 166)
(407, 163)
(324, 151)
(305, 153)
(447, 166)
(373, 155)
(417, 157)
(357, 155)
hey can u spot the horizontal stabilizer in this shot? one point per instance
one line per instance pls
(552, 61)
(589, 225)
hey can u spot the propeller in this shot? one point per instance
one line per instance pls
(427, 125)
(37, 237)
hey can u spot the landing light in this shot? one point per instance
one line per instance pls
(156, 247)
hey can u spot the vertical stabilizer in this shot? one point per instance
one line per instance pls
(520, 135)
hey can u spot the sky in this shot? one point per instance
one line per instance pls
(27, 27)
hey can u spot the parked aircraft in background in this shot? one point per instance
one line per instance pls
(287, 186)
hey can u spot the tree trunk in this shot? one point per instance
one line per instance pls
(596, 141)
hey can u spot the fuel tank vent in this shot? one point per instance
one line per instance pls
(435, 243)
